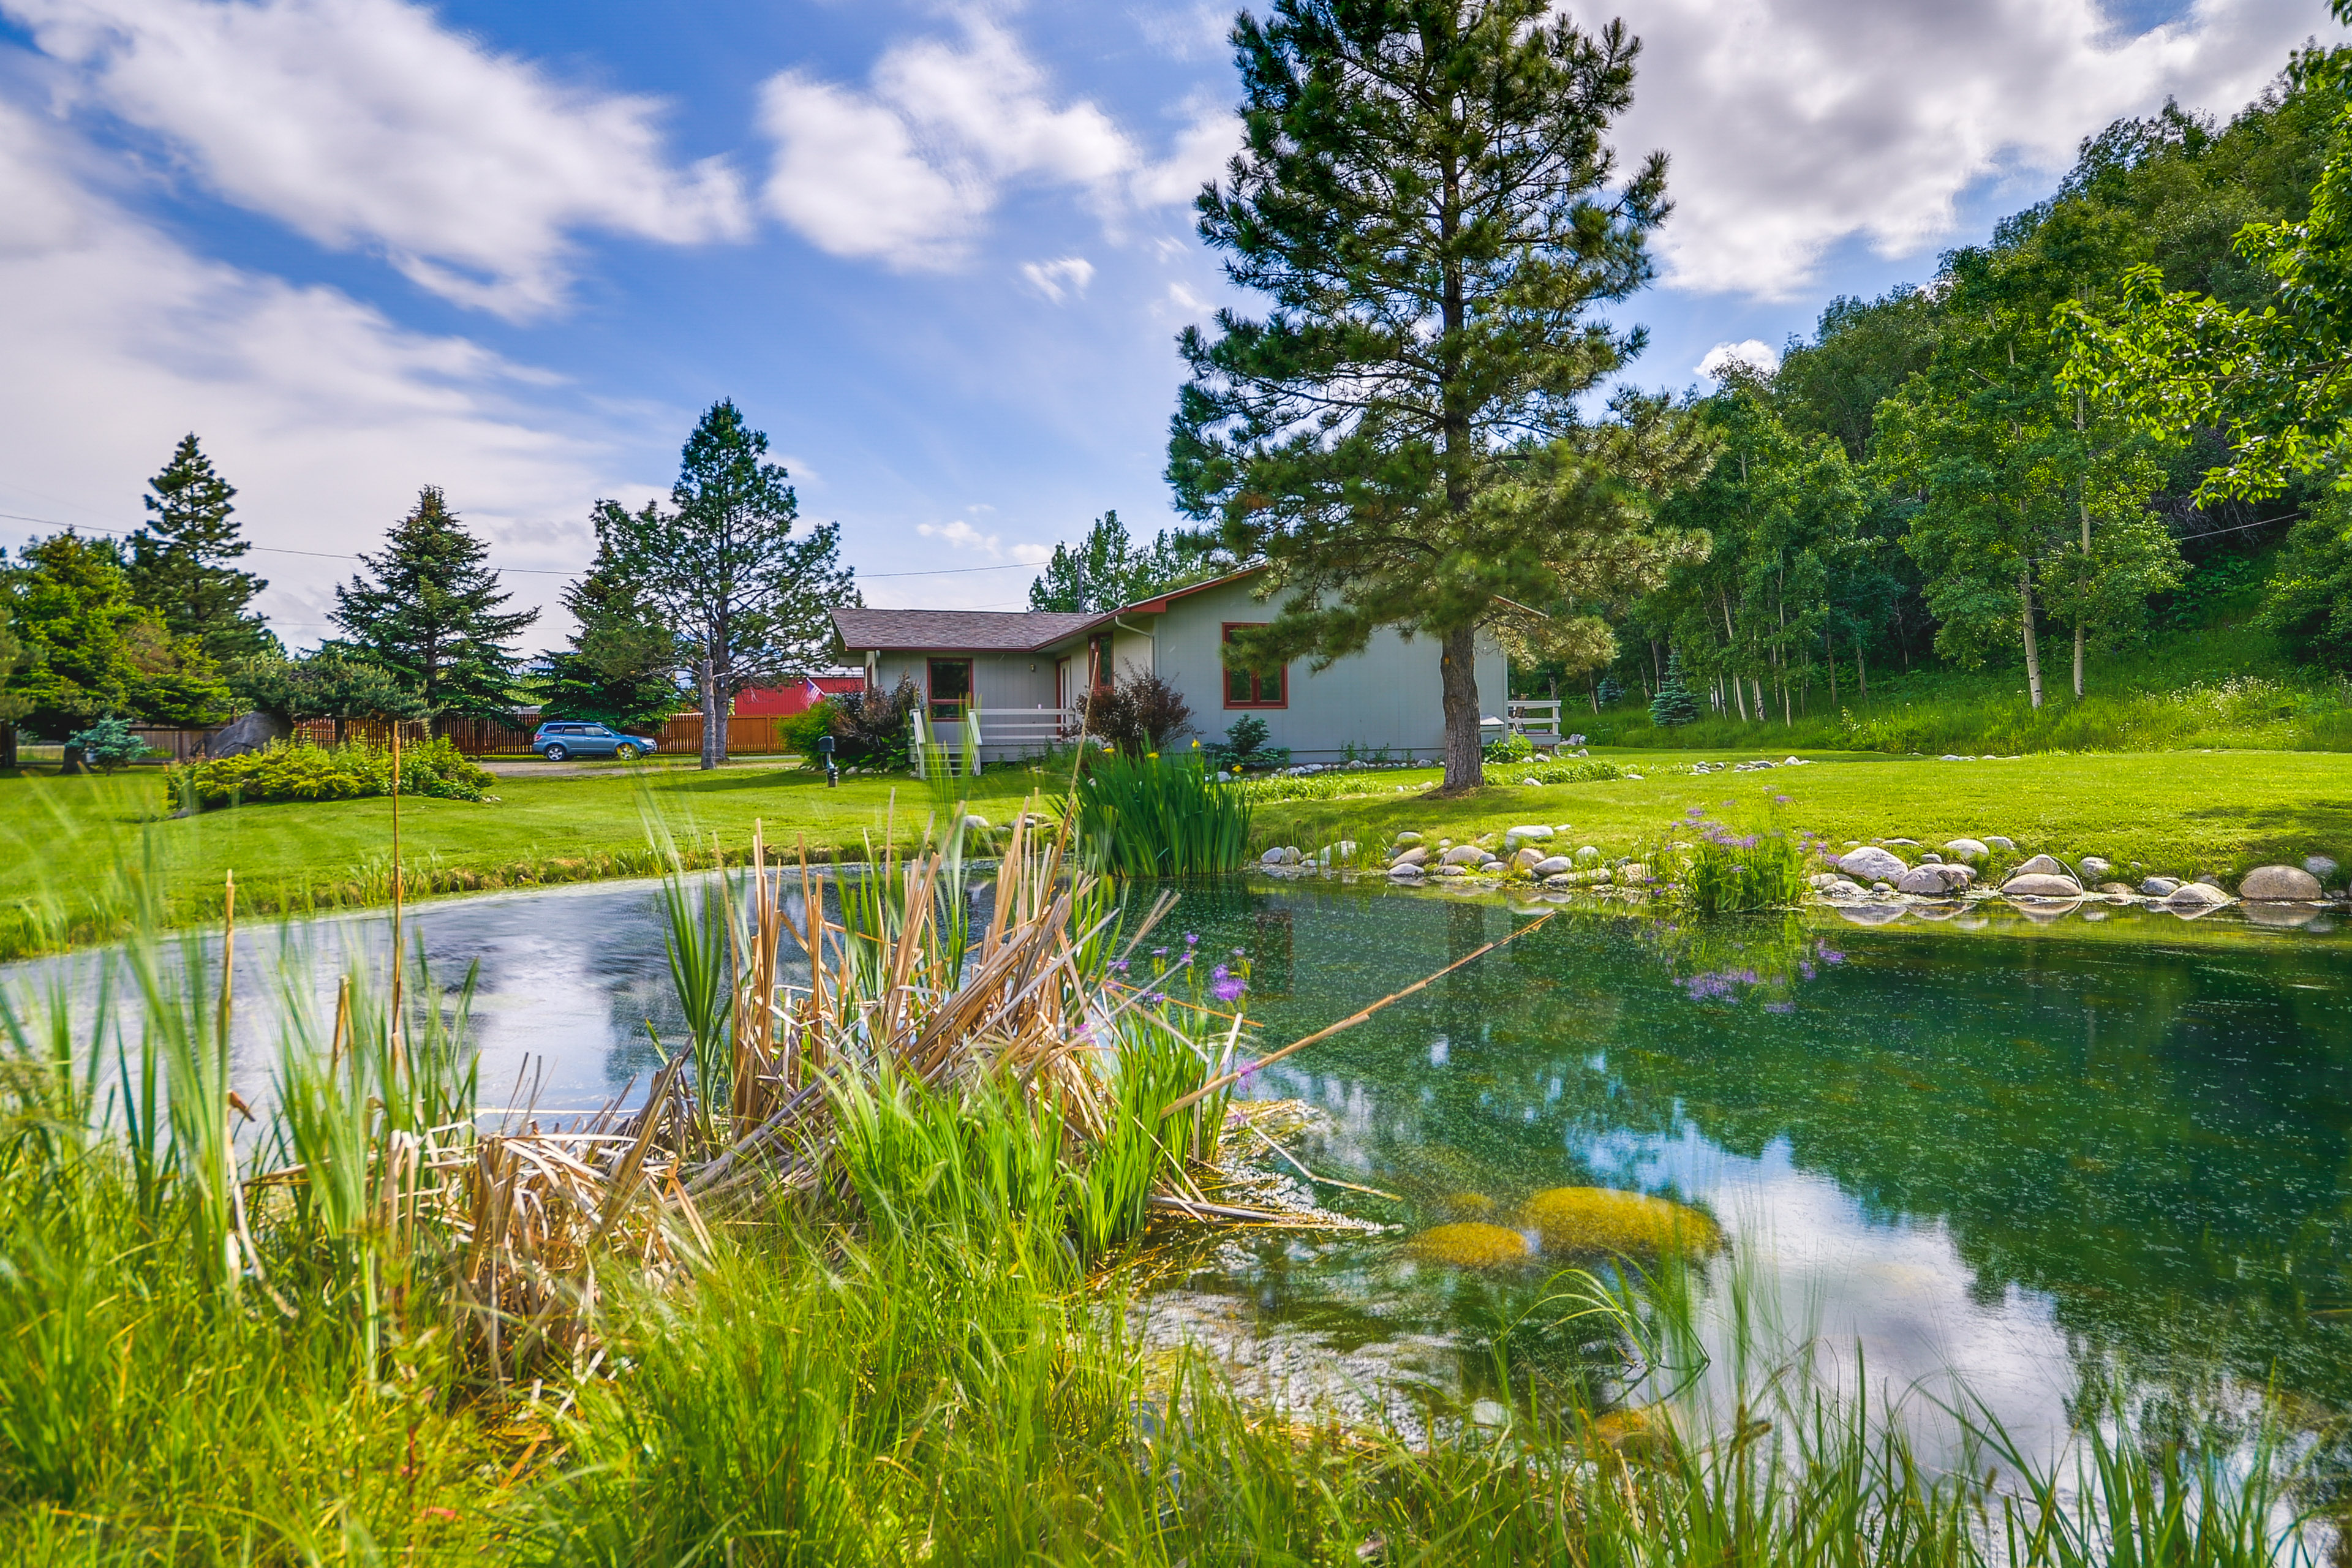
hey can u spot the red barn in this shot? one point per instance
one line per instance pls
(785, 701)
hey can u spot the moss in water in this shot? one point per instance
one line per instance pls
(1470, 1245)
(1601, 1219)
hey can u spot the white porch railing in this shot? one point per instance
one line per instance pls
(1538, 721)
(959, 748)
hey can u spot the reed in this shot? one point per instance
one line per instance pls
(1160, 816)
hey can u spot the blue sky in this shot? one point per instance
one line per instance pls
(937, 252)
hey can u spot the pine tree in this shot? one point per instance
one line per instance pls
(723, 572)
(178, 562)
(1427, 197)
(428, 610)
(623, 665)
(1673, 704)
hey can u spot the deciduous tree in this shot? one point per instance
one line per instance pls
(90, 649)
(722, 570)
(1107, 569)
(1427, 198)
(427, 609)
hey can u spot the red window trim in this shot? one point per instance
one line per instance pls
(1224, 687)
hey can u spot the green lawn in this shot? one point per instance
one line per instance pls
(2178, 813)
(72, 851)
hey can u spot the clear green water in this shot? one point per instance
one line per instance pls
(2029, 1156)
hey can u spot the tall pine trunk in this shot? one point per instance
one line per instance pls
(714, 723)
(1458, 666)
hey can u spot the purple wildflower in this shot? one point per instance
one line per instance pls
(1118, 966)
(1192, 939)
(1805, 968)
(1228, 987)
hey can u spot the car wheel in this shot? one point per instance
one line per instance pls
(555, 753)
(628, 753)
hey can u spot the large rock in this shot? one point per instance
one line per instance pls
(1921, 881)
(1871, 864)
(2196, 895)
(2160, 887)
(1406, 871)
(2094, 867)
(2043, 865)
(2321, 866)
(2041, 885)
(2006, 846)
(1408, 837)
(1526, 860)
(1967, 850)
(1839, 888)
(1557, 880)
(1553, 866)
(250, 733)
(2278, 885)
(1463, 855)
(1535, 834)
(1416, 855)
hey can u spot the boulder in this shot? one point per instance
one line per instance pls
(1416, 855)
(1526, 860)
(2196, 895)
(2093, 867)
(2117, 888)
(1967, 850)
(1839, 888)
(1633, 872)
(1871, 864)
(2043, 865)
(1821, 879)
(2321, 866)
(973, 823)
(1901, 843)
(1406, 838)
(1921, 881)
(1452, 871)
(2160, 887)
(1462, 854)
(1930, 858)
(2041, 885)
(1406, 871)
(1552, 866)
(1995, 841)
(1534, 835)
(2278, 885)
(1587, 855)
(1556, 881)
(250, 733)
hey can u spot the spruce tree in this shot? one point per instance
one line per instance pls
(1673, 704)
(178, 564)
(1427, 198)
(88, 648)
(623, 665)
(428, 610)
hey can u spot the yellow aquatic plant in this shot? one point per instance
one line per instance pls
(1470, 1245)
(1602, 1219)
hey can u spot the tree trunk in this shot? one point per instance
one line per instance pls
(714, 723)
(1457, 666)
(7, 745)
(2083, 501)
(1829, 657)
(2078, 661)
(72, 763)
(1861, 675)
(2033, 643)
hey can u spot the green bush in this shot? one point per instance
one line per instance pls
(109, 744)
(287, 772)
(1509, 747)
(802, 731)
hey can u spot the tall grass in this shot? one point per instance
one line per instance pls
(1155, 816)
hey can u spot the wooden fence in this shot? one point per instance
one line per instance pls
(499, 736)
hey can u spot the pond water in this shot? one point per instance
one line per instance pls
(2035, 1155)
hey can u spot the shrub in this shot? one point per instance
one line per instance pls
(109, 744)
(1509, 747)
(873, 728)
(289, 772)
(802, 730)
(1244, 747)
(1137, 713)
(1733, 873)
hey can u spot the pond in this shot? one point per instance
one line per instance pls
(2036, 1155)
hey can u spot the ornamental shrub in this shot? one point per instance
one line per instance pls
(109, 744)
(1509, 747)
(283, 771)
(1673, 704)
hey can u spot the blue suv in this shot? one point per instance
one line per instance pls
(564, 738)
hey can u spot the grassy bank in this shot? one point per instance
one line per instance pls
(2177, 813)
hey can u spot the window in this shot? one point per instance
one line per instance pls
(1254, 688)
(951, 683)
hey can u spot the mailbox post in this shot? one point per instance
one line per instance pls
(831, 772)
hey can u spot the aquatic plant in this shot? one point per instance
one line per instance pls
(1470, 1245)
(1576, 1220)
(1150, 815)
(1728, 871)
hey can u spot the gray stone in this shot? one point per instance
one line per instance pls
(1557, 880)
(1871, 864)
(250, 733)
(2116, 888)
(1552, 866)
(1407, 838)
(1995, 841)
(1821, 879)
(1416, 855)
(1526, 860)
(2041, 885)
(2278, 885)
(1905, 843)
(2043, 865)
(1633, 872)
(2092, 866)
(1531, 835)
(2160, 887)
(1277, 855)
(1407, 871)
(1462, 854)
(2196, 895)
(1968, 849)
(1931, 858)
(2321, 866)
(973, 823)
(1921, 881)
(1452, 871)
(1839, 888)
(1587, 855)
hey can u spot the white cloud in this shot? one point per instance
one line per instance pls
(906, 170)
(1751, 352)
(1795, 125)
(1059, 280)
(114, 342)
(367, 124)
(962, 535)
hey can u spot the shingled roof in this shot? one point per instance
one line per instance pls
(958, 631)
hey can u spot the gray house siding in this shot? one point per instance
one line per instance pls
(1390, 695)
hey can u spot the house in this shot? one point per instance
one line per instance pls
(1023, 672)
